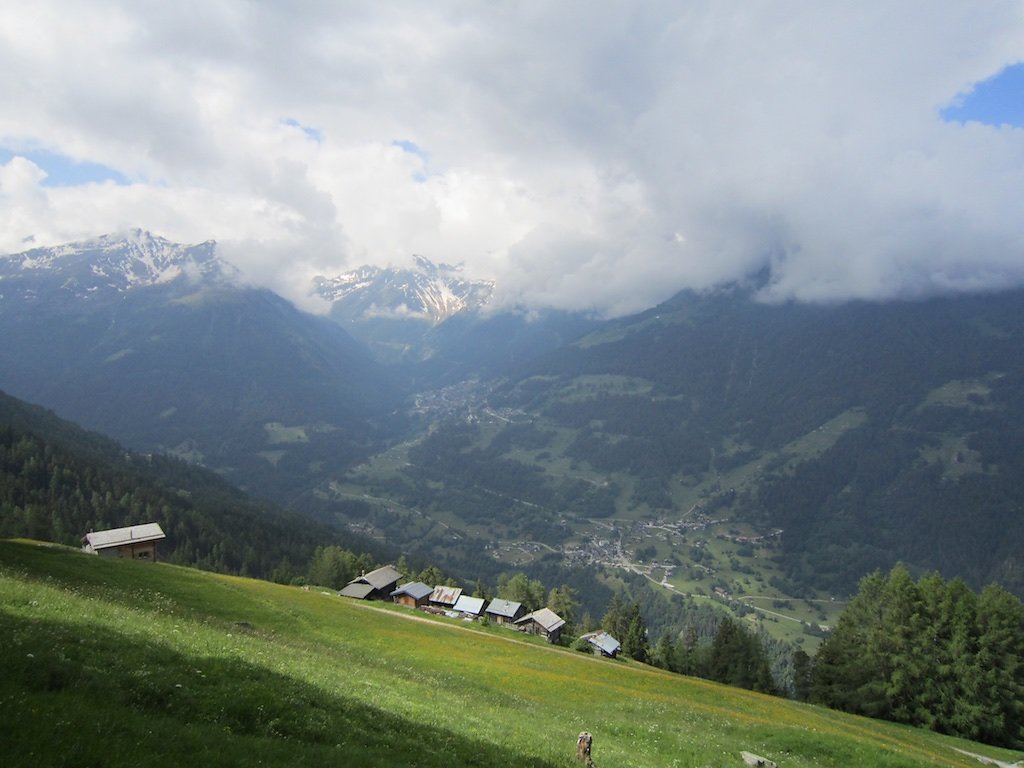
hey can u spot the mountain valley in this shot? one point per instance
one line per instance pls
(761, 456)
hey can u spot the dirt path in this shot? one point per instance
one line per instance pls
(989, 760)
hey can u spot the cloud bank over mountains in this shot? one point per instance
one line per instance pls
(597, 155)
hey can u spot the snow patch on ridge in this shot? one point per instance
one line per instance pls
(119, 262)
(425, 292)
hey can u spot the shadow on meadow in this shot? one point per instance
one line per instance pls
(85, 695)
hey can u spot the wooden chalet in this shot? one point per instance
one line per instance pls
(135, 542)
(505, 611)
(375, 585)
(445, 597)
(544, 622)
(414, 594)
(603, 643)
(472, 607)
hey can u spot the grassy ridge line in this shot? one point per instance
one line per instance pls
(129, 654)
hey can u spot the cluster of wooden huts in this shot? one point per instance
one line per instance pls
(139, 542)
(382, 584)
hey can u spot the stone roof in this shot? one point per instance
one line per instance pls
(443, 595)
(358, 590)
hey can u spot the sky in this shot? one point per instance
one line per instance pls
(595, 156)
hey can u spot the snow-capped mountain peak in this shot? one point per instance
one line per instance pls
(426, 292)
(110, 263)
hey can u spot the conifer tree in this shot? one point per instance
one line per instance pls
(1001, 666)
(521, 589)
(930, 654)
(634, 642)
(614, 622)
(562, 600)
(737, 658)
(663, 653)
(801, 675)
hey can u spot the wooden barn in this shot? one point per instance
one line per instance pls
(505, 611)
(470, 607)
(135, 542)
(445, 597)
(414, 594)
(603, 643)
(544, 622)
(375, 585)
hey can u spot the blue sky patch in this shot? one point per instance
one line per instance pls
(62, 171)
(412, 148)
(996, 101)
(314, 133)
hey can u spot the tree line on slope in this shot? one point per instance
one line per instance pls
(870, 500)
(58, 491)
(929, 653)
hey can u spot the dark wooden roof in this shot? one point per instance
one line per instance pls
(545, 618)
(357, 590)
(383, 577)
(417, 590)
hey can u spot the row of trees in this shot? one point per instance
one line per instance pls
(929, 653)
(725, 652)
(735, 657)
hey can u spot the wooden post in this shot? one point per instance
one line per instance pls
(583, 745)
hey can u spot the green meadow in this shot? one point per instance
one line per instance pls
(110, 663)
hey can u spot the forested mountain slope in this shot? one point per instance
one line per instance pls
(163, 347)
(931, 473)
(813, 443)
(58, 482)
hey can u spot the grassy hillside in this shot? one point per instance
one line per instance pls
(121, 663)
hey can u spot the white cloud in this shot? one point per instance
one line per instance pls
(585, 155)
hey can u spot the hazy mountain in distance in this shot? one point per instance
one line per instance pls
(426, 292)
(162, 347)
(434, 322)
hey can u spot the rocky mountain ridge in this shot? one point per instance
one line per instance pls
(427, 292)
(110, 264)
